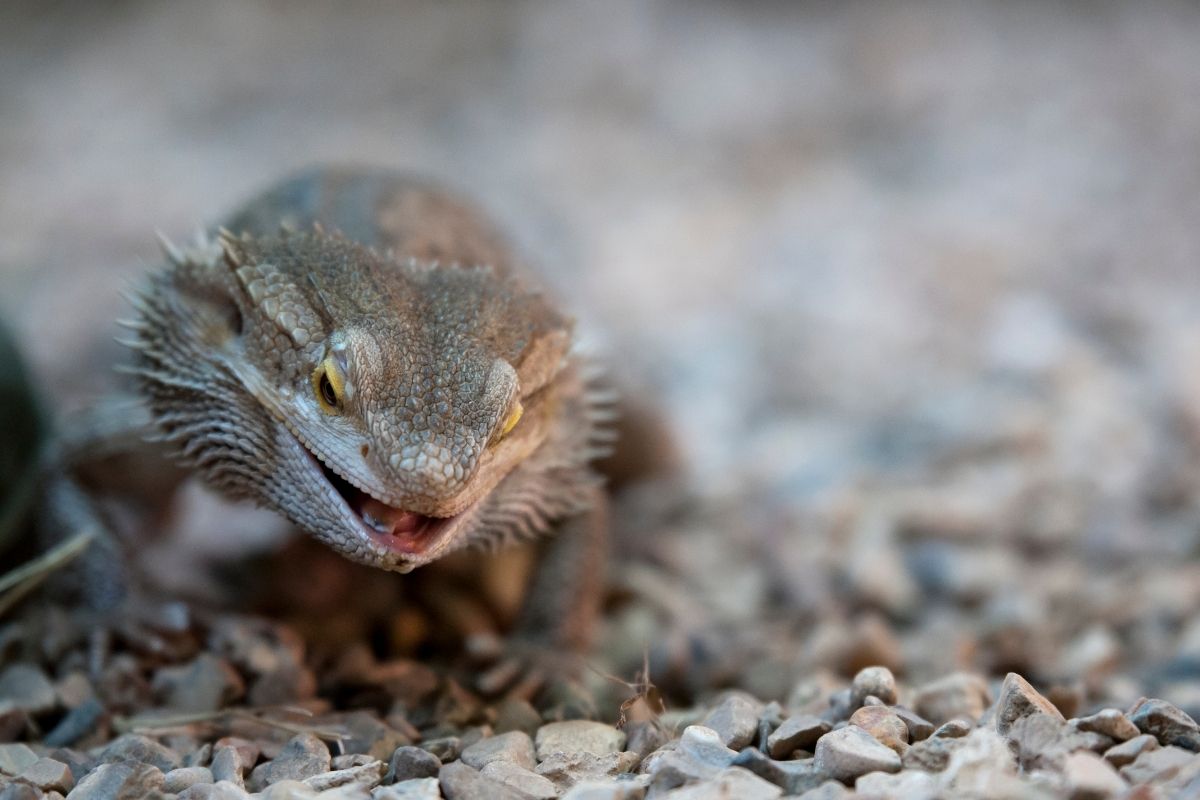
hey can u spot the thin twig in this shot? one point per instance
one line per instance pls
(17, 583)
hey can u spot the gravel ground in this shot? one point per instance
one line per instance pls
(915, 284)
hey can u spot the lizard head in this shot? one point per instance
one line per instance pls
(376, 402)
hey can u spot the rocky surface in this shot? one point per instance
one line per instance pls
(835, 741)
(914, 283)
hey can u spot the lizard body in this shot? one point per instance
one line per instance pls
(362, 354)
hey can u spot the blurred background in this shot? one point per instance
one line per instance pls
(917, 284)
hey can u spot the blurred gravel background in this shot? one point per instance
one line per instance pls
(917, 283)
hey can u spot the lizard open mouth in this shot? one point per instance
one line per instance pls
(398, 530)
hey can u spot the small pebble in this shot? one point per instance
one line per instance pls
(514, 747)
(578, 736)
(1165, 722)
(412, 789)
(48, 775)
(918, 727)
(732, 782)
(460, 782)
(179, 779)
(874, 681)
(1127, 752)
(1159, 764)
(522, 779)
(118, 779)
(1019, 699)
(887, 728)
(16, 757)
(1090, 777)
(411, 763)
(735, 720)
(1110, 722)
(800, 732)
(302, 757)
(145, 750)
(849, 752)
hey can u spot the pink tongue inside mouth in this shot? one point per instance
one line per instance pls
(386, 519)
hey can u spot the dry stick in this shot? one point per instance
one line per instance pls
(24, 579)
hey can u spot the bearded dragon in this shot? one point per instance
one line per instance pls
(363, 354)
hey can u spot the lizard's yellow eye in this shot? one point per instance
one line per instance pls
(510, 422)
(328, 386)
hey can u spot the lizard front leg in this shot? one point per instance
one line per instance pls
(563, 601)
(557, 619)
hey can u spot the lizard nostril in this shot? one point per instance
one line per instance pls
(366, 448)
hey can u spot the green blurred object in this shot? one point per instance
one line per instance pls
(20, 446)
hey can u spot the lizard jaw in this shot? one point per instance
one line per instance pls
(415, 538)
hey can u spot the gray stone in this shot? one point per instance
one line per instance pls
(873, 682)
(849, 752)
(22, 791)
(514, 747)
(578, 736)
(351, 760)
(411, 763)
(365, 776)
(133, 747)
(567, 769)
(705, 745)
(793, 777)
(460, 782)
(1019, 699)
(909, 784)
(287, 790)
(1157, 765)
(731, 783)
(1165, 722)
(1128, 752)
(446, 748)
(28, 688)
(960, 695)
(918, 727)
(302, 757)
(524, 781)
(15, 757)
(887, 728)
(1109, 722)
(221, 790)
(1090, 777)
(800, 732)
(735, 720)
(932, 754)
(48, 775)
(177, 780)
(954, 729)
(207, 683)
(412, 789)
(229, 764)
(829, 790)
(121, 780)
(606, 790)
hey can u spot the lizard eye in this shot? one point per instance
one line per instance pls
(510, 422)
(328, 386)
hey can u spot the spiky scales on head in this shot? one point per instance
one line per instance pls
(394, 408)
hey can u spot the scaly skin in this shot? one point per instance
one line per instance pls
(361, 354)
